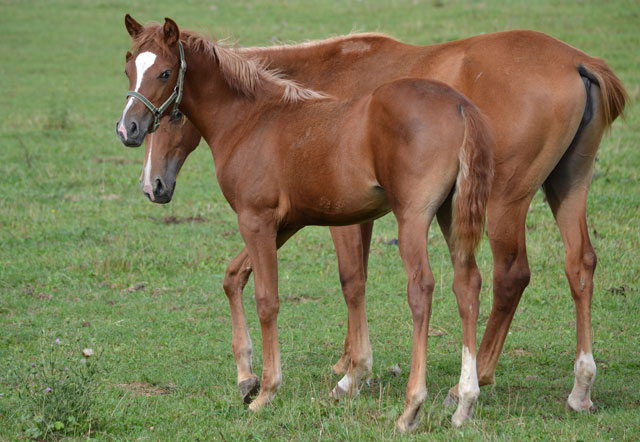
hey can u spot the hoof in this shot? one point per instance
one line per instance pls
(451, 399)
(405, 426)
(341, 366)
(459, 418)
(338, 393)
(408, 421)
(584, 405)
(259, 402)
(249, 388)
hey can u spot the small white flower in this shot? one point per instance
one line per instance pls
(87, 352)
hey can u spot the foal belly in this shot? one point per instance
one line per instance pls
(353, 206)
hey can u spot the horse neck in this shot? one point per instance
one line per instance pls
(214, 107)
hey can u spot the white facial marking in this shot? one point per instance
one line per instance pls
(585, 372)
(143, 62)
(146, 187)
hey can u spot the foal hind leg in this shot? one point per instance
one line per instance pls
(235, 279)
(356, 360)
(352, 266)
(412, 242)
(566, 190)
(466, 286)
(506, 226)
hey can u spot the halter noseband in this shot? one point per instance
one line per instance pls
(175, 96)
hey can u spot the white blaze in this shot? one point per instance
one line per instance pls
(146, 187)
(143, 62)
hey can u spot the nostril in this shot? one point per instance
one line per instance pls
(159, 186)
(133, 127)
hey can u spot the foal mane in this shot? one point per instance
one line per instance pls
(244, 74)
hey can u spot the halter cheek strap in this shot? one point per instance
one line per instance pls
(175, 96)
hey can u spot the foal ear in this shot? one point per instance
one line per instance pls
(133, 27)
(171, 31)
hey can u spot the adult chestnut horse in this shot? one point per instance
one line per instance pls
(287, 157)
(549, 105)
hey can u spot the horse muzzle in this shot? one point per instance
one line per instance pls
(158, 191)
(130, 133)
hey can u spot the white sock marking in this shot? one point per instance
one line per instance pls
(468, 388)
(585, 372)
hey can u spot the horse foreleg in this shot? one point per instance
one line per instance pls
(356, 360)
(235, 279)
(412, 241)
(262, 239)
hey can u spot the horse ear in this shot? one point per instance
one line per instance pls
(171, 31)
(133, 27)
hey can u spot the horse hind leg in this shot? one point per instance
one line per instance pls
(566, 189)
(466, 286)
(235, 279)
(412, 242)
(356, 361)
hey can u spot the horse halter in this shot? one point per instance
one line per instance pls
(175, 96)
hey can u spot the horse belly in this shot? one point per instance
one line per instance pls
(351, 206)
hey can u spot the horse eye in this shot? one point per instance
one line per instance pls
(176, 116)
(165, 75)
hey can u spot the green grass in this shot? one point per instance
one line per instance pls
(76, 233)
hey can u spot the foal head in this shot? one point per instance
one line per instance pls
(166, 151)
(155, 74)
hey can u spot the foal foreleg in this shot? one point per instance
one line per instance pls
(357, 359)
(235, 279)
(259, 235)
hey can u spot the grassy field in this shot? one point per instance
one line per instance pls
(87, 262)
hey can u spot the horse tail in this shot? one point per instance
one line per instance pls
(473, 183)
(613, 94)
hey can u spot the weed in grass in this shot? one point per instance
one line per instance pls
(58, 117)
(57, 392)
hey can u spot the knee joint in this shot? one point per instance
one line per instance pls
(353, 288)
(267, 309)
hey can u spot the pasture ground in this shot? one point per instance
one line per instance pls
(87, 260)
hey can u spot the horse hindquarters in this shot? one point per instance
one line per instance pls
(424, 142)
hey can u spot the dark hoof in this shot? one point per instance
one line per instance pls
(249, 388)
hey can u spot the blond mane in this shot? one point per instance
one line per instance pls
(244, 74)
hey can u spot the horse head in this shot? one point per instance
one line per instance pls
(155, 67)
(166, 151)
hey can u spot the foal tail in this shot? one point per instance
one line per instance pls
(473, 183)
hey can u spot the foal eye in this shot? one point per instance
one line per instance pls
(165, 75)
